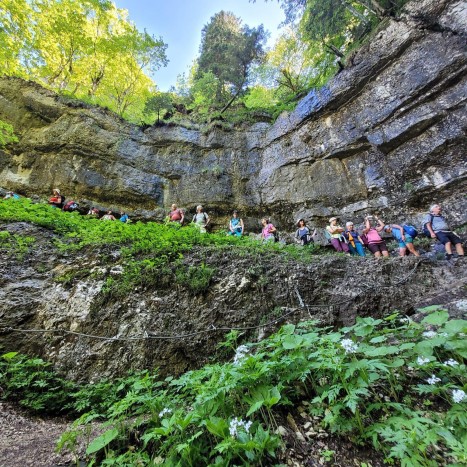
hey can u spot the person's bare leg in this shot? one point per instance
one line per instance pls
(448, 247)
(386, 254)
(402, 251)
(412, 249)
(377, 254)
(460, 249)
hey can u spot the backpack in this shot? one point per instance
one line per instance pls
(410, 230)
(276, 235)
(70, 206)
(426, 232)
(327, 235)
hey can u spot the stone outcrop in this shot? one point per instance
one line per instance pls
(387, 134)
(51, 303)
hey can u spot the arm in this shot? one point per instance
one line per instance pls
(207, 219)
(241, 223)
(380, 225)
(367, 226)
(429, 226)
(182, 218)
(230, 226)
(395, 226)
(271, 228)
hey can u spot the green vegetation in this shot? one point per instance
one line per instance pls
(149, 253)
(17, 245)
(7, 134)
(394, 384)
(91, 51)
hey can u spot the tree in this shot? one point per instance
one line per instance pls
(228, 51)
(157, 103)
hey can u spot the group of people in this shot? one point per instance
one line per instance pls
(350, 241)
(346, 240)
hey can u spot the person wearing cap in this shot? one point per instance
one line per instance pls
(236, 226)
(403, 238)
(375, 243)
(355, 242)
(337, 239)
(303, 234)
(57, 200)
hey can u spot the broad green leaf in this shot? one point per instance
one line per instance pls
(437, 318)
(380, 351)
(102, 441)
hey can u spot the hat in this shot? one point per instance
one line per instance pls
(57, 190)
(348, 224)
(301, 219)
(332, 219)
(386, 227)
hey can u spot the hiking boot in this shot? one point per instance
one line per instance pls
(448, 256)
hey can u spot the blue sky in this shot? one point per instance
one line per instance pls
(180, 22)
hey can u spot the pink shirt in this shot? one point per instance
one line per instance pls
(266, 232)
(373, 236)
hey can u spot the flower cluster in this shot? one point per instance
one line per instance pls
(429, 334)
(237, 424)
(240, 354)
(433, 379)
(349, 345)
(164, 411)
(450, 362)
(458, 395)
(422, 360)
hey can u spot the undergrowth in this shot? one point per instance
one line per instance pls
(149, 253)
(392, 383)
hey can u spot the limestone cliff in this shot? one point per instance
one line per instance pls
(387, 134)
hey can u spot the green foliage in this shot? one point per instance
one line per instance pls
(228, 50)
(17, 245)
(157, 103)
(196, 278)
(367, 382)
(83, 49)
(7, 134)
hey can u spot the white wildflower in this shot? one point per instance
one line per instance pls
(164, 411)
(422, 360)
(349, 345)
(236, 424)
(433, 379)
(450, 362)
(458, 395)
(404, 320)
(429, 334)
(240, 354)
(366, 12)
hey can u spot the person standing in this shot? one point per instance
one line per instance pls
(235, 225)
(337, 239)
(438, 228)
(176, 214)
(201, 219)
(354, 239)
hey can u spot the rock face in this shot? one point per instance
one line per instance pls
(51, 303)
(387, 135)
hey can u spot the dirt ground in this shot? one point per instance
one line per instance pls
(30, 441)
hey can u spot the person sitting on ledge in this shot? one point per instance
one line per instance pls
(375, 243)
(201, 219)
(337, 239)
(235, 225)
(438, 228)
(303, 234)
(176, 215)
(11, 194)
(108, 217)
(124, 217)
(57, 200)
(267, 232)
(403, 238)
(354, 239)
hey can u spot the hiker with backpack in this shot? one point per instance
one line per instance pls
(236, 226)
(354, 240)
(268, 230)
(403, 237)
(303, 233)
(176, 214)
(200, 219)
(375, 243)
(57, 200)
(436, 226)
(334, 234)
(124, 217)
(70, 206)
